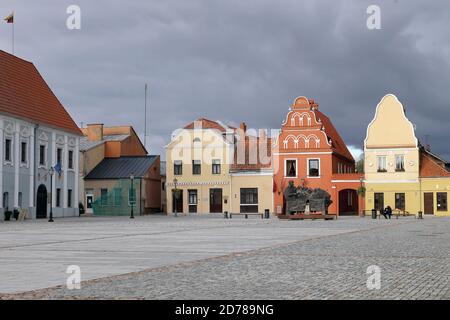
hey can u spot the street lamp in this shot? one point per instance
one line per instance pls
(175, 183)
(132, 195)
(51, 172)
(360, 194)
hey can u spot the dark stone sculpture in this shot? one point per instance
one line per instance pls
(297, 199)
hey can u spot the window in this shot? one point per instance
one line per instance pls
(196, 167)
(193, 200)
(6, 200)
(442, 201)
(23, 152)
(382, 164)
(58, 197)
(216, 166)
(8, 143)
(103, 197)
(399, 163)
(59, 156)
(291, 168)
(69, 198)
(314, 167)
(163, 186)
(249, 200)
(20, 199)
(70, 162)
(177, 168)
(42, 155)
(117, 196)
(400, 201)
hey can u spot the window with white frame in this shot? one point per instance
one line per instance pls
(291, 168)
(23, 152)
(70, 159)
(313, 167)
(8, 150)
(381, 161)
(42, 155)
(400, 162)
(59, 156)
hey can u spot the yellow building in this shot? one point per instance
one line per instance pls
(205, 172)
(399, 172)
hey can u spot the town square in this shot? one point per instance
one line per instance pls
(185, 157)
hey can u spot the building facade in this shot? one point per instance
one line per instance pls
(208, 170)
(310, 152)
(399, 171)
(36, 135)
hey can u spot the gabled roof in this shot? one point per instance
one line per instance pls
(122, 168)
(252, 145)
(207, 124)
(338, 143)
(25, 94)
(432, 166)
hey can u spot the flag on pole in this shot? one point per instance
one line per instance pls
(10, 18)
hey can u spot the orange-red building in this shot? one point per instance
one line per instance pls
(310, 152)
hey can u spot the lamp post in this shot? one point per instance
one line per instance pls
(361, 180)
(175, 183)
(132, 196)
(51, 171)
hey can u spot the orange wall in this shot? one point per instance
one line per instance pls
(152, 187)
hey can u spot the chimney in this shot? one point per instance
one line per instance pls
(243, 127)
(94, 132)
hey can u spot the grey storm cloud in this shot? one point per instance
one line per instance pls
(234, 60)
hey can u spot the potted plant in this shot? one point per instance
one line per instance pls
(81, 209)
(8, 215)
(16, 214)
(362, 191)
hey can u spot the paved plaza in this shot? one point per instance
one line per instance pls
(208, 257)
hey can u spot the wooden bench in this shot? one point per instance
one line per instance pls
(403, 213)
(246, 215)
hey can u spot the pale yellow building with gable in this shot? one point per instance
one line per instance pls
(399, 172)
(201, 166)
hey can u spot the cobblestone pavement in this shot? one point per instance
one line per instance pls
(329, 263)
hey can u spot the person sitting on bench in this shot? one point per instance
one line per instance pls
(387, 212)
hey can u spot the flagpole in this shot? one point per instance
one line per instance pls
(13, 34)
(145, 119)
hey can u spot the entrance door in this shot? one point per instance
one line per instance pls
(89, 203)
(41, 202)
(428, 203)
(178, 203)
(215, 200)
(379, 202)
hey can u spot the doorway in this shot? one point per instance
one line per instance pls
(177, 203)
(379, 201)
(428, 202)
(348, 202)
(89, 203)
(41, 202)
(215, 200)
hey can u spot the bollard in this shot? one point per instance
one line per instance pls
(374, 214)
(267, 214)
(420, 215)
(225, 215)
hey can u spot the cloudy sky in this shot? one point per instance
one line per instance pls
(237, 60)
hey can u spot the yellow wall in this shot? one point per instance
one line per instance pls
(211, 145)
(389, 134)
(264, 183)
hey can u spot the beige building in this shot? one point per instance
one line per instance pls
(209, 170)
(399, 171)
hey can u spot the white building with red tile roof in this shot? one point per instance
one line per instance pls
(36, 134)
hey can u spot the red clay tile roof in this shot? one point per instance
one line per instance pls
(25, 94)
(338, 144)
(431, 167)
(206, 124)
(252, 145)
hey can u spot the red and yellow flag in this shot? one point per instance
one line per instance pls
(10, 18)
